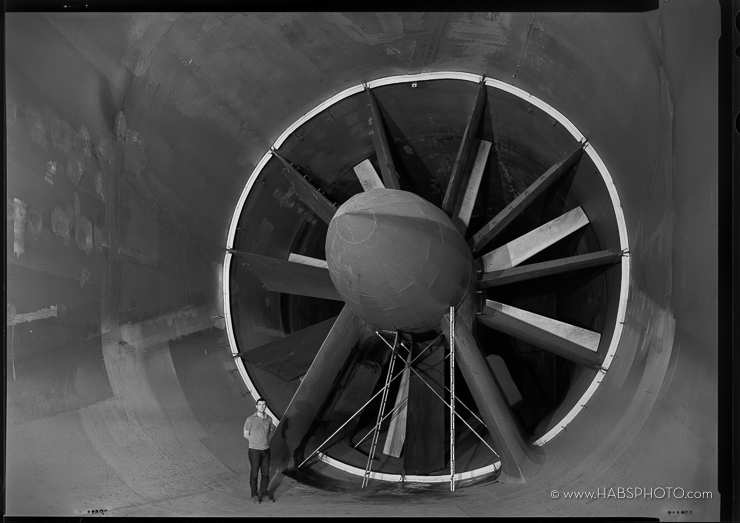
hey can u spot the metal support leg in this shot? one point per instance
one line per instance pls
(452, 399)
(370, 457)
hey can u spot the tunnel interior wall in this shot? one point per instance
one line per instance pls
(120, 384)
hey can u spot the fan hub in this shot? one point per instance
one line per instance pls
(397, 260)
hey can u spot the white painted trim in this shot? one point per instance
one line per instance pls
(316, 110)
(623, 296)
(423, 77)
(562, 120)
(471, 474)
(243, 199)
(497, 84)
(232, 339)
(580, 405)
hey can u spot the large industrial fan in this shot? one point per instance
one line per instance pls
(447, 302)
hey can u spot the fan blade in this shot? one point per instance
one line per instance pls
(290, 277)
(380, 141)
(306, 260)
(313, 391)
(463, 154)
(526, 246)
(502, 219)
(548, 268)
(309, 194)
(397, 429)
(425, 426)
(528, 411)
(462, 216)
(573, 343)
(503, 377)
(368, 177)
(516, 457)
(290, 356)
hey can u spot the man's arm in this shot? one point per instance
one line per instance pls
(247, 428)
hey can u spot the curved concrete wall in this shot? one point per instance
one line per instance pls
(121, 390)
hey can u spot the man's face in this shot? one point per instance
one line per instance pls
(261, 406)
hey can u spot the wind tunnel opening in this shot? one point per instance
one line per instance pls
(207, 106)
(425, 125)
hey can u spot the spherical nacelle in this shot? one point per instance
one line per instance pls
(397, 260)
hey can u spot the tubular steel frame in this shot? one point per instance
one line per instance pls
(452, 399)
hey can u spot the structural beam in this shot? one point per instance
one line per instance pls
(526, 246)
(548, 268)
(492, 405)
(504, 218)
(568, 341)
(290, 277)
(381, 143)
(462, 216)
(312, 196)
(463, 154)
(368, 176)
(313, 392)
(290, 356)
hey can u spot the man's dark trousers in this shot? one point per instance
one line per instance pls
(259, 460)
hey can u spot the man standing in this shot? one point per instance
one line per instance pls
(257, 429)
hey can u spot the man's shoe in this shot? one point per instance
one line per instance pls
(255, 499)
(271, 499)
